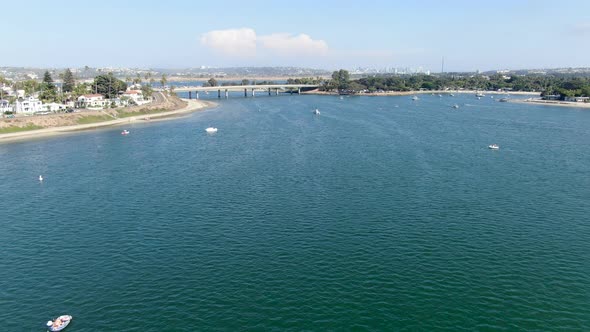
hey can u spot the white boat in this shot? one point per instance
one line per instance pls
(125, 132)
(40, 178)
(455, 106)
(503, 100)
(415, 98)
(59, 323)
(494, 146)
(452, 95)
(211, 130)
(479, 94)
(478, 98)
(316, 112)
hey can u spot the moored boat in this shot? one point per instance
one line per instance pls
(494, 146)
(316, 112)
(125, 132)
(59, 323)
(415, 98)
(211, 130)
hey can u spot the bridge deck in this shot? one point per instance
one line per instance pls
(242, 87)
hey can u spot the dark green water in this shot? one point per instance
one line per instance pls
(379, 214)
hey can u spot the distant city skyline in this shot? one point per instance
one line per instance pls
(323, 35)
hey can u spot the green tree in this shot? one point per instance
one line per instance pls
(48, 89)
(341, 79)
(163, 80)
(80, 89)
(147, 91)
(246, 82)
(69, 81)
(212, 82)
(108, 85)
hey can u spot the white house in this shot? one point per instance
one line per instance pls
(28, 105)
(5, 106)
(136, 96)
(54, 107)
(578, 99)
(92, 100)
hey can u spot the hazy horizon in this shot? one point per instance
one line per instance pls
(182, 34)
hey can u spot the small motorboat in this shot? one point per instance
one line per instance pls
(455, 106)
(316, 111)
(59, 323)
(40, 178)
(415, 98)
(211, 130)
(452, 95)
(494, 146)
(125, 132)
(503, 100)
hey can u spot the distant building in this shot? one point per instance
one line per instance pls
(28, 105)
(578, 99)
(551, 97)
(92, 101)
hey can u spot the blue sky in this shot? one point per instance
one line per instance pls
(319, 34)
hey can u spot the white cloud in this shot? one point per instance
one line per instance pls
(581, 28)
(245, 42)
(287, 44)
(233, 42)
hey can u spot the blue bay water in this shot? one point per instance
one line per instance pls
(379, 214)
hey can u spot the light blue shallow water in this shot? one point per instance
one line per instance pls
(379, 214)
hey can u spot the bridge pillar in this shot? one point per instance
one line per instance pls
(291, 91)
(218, 93)
(197, 92)
(245, 93)
(269, 91)
(252, 92)
(299, 91)
(277, 91)
(189, 95)
(226, 94)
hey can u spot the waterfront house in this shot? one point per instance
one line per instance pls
(578, 99)
(551, 97)
(136, 96)
(92, 101)
(54, 107)
(5, 106)
(28, 105)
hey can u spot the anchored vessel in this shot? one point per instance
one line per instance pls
(59, 323)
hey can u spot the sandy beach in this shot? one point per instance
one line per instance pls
(551, 103)
(410, 93)
(192, 106)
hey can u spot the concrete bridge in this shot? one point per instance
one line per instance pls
(270, 88)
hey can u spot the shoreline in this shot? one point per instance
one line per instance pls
(560, 103)
(192, 106)
(409, 93)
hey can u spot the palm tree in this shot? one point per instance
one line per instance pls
(163, 80)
